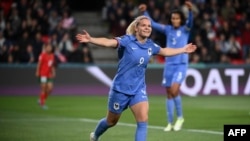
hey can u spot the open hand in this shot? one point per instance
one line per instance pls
(189, 48)
(188, 4)
(84, 37)
(142, 7)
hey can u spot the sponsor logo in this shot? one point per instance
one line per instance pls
(233, 81)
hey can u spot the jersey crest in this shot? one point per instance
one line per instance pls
(149, 51)
(178, 33)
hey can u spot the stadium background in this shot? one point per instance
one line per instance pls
(93, 16)
(218, 89)
(75, 79)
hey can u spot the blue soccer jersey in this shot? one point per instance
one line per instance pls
(175, 37)
(133, 59)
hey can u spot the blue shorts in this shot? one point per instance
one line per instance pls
(118, 102)
(175, 73)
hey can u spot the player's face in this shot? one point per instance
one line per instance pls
(176, 20)
(144, 28)
(48, 48)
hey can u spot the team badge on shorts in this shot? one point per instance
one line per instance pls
(116, 106)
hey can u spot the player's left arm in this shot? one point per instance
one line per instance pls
(155, 25)
(53, 71)
(38, 66)
(189, 48)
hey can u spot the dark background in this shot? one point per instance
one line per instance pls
(86, 5)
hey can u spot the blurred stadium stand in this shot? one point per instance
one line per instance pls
(213, 19)
(92, 22)
(88, 15)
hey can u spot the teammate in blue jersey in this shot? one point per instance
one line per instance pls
(177, 35)
(129, 88)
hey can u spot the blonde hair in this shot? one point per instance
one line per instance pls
(131, 28)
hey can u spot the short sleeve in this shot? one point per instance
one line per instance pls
(122, 41)
(156, 48)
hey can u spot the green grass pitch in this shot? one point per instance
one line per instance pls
(72, 118)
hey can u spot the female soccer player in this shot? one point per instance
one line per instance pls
(177, 34)
(46, 72)
(129, 88)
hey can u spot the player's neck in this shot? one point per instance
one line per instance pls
(141, 39)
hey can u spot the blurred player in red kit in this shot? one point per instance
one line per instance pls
(45, 71)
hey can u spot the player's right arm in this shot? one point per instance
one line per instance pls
(189, 22)
(101, 41)
(38, 67)
(157, 26)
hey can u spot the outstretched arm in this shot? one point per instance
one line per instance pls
(189, 22)
(157, 26)
(101, 41)
(189, 48)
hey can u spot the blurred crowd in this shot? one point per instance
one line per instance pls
(221, 28)
(26, 25)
